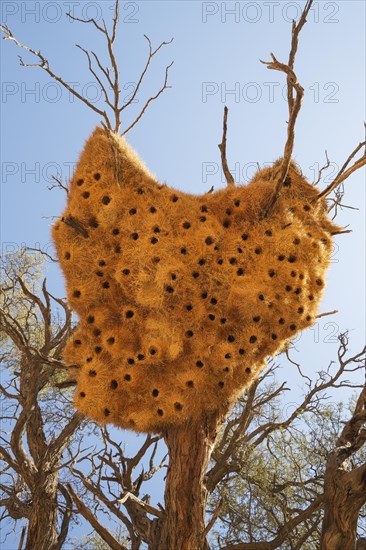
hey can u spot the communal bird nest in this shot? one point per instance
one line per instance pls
(181, 298)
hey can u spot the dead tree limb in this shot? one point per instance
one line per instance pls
(324, 167)
(45, 66)
(293, 83)
(92, 519)
(111, 117)
(344, 173)
(222, 146)
(294, 104)
(165, 86)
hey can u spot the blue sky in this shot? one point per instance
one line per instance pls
(216, 52)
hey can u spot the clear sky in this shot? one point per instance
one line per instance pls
(216, 52)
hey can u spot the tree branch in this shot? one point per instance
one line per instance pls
(222, 146)
(89, 516)
(152, 98)
(45, 66)
(294, 105)
(343, 174)
(293, 83)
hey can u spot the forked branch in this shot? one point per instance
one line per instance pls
(105, 78)
(152, 53)
(294, 103)
(44, 64)
(344, 173)
(294, 44)
(294, 106)
(293, 83)
(164, 86)
(92, 519)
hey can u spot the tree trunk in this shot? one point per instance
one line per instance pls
(344, 497)
(190, 447)
(42, 527)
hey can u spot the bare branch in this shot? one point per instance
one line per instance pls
(91, 518)
(46, 254)
(341, 232)
(56, 447)
(222, 146)
(102, 87)
(45, 66)
(294, 45)
(111, 100)
(325, 167)
(58, 185)
(150, 57)
(292, 79)
(294, 105)
(343, 174)
(164, 87)
(327, 313)
(8, 459)
(93, 21)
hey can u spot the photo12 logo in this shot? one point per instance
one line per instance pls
(269, 12)
(212, 171)
(53, 92)
(23, 172)
(53, 12)
(39, 251)
(254, 92)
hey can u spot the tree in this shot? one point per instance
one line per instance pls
(272, 467)
(182, 522)
(344, 482)
(37, 433)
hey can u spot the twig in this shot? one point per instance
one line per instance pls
(114, 83)
(152, 98)
(290, 360)
(30, 249)
(326, 165)
(59, 185)
(341, 232)
(44, 65)
(343, 174)
(66, 384)
(90, 66)
(151, 55)
(222, 147)
(326, 313)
